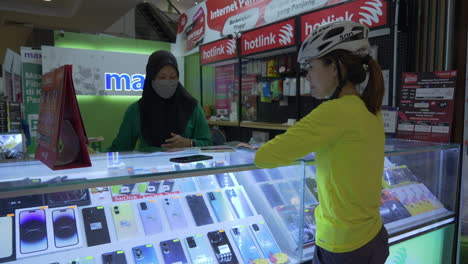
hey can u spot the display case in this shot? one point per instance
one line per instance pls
(143, 207)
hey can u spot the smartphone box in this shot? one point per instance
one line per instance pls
(36, 235)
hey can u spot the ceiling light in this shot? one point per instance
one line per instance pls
(47, 0)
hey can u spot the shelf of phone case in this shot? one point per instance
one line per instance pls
(264, 125)
(223, 123)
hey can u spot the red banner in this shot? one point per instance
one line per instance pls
(218, 50)
(426, 106)
(270, 37)
(372, 13)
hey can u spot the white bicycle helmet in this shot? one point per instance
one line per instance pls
(343, 35)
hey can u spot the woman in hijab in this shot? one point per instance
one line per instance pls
(166, 116)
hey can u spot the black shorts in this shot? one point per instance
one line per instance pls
(374, 252)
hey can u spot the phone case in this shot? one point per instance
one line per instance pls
(153, 187)
(308, 197)
(97, 232)
(33, 231)
(239, 203)
(144, 254)
(116, 257)
(220, 206)
(224, 180)
(174, 212)
(186, 185)
(245, 244)
(222, 248)
(260, 176)
(65, 230)
(265, 239)
(83, 260)
(124, 221)
(150, 217)
(172, 252)
(200, 212)
(311, 183)
(199, 250)
(290, 196)
(7, 241)
(271, 195)
(207, 182)
(167, 186)
(275, 174)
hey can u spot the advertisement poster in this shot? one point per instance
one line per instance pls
(61, 139)
(98, 72)
(219, 50)
(426, 106)
(32, 77)
(17, 80)
(7, 74)
(215, 19)
(224, 83)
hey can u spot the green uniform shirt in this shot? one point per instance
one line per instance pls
(349, 144)
(130, 131)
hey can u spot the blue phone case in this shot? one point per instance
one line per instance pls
(245, 244)
(173, 252)
(207, 182)
(199, 210)
(275, 174)
(116, 257)
(175, 213)
(150, 217)
(239, 203)
(186, 185)
(265, 239)
(144, 254)
(224, 180)
(271, 195)
(260, 176)
(220, 206)
(199, 250)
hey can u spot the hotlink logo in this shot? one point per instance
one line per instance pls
(286, 34)
(231, 47)
(373, 12)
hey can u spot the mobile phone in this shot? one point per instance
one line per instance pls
(239, 203)
(150, 217)
(222, 248)
(144, 254)
(167, 186)
(224, 180)
(97, 232)
(124, 221)
(83, 260)
(200, 212)
(265, 239)
(175, 213)
(199, 250)
(172, 252)
(271, 195)
(33, 231)
(290, 196)
(186, 185)
(116, 257)
(245, 244)
(220, 206)
(7, 241)
(260, 176)
(275, 174)
(192, 158)
(152, 187)
(308, 197)
(65, 230)
(207, 182)
(311, 183)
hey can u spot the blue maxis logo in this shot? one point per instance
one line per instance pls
(124, 82)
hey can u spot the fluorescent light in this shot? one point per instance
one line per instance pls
(47, 0)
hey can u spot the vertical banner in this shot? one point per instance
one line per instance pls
(224, 82)
(61, 139)
(7, 74)
(32, 77)
(17, 83)
(426, 106)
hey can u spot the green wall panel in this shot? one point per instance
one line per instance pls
(192, 74)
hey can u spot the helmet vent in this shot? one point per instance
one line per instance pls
(324, 45)
(334, 32)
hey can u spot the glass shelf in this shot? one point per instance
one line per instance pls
(32, 177)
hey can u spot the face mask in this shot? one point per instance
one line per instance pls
(165, 88)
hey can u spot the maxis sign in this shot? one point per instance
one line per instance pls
(270, 37)
(123, 82)
(372, 13)
(218, 50)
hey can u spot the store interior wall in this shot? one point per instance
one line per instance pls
(102, 115)
(17, 37)
(192, 75)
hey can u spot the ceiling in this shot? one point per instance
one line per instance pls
(89, 16)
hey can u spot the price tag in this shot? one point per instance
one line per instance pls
(390, 115)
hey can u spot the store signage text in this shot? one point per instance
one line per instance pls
(372, 13)
(271, 37)
(232, 7)
(124, 82)
(219, 50)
